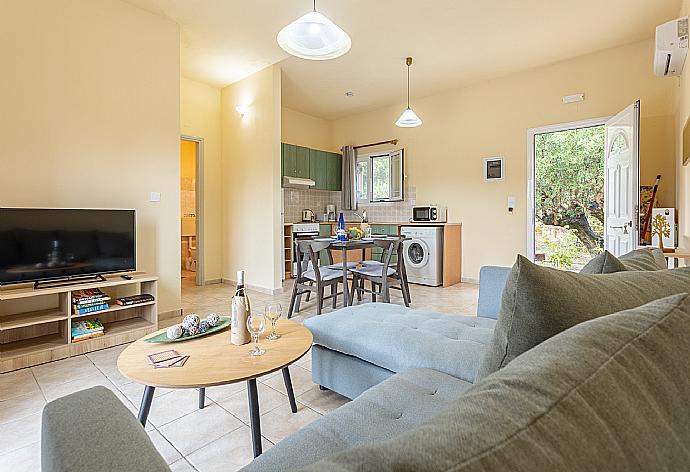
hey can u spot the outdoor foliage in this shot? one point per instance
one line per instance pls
(561, 252)
(569, 189)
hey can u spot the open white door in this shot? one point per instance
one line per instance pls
(622, 181)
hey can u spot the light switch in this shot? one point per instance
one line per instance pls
(511, 203)
(155, 197)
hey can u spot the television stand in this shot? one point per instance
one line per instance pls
(35, 324)
(70, 280)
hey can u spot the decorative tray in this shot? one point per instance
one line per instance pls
(163, 337)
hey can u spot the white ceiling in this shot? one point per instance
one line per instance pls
(453, 42)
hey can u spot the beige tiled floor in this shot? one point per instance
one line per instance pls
(215, 438)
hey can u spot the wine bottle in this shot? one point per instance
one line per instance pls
(341, 228)
(239, 334)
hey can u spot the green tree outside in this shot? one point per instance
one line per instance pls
(569, 190)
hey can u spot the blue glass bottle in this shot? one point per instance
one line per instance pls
(341, 228)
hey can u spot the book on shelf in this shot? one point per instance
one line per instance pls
(135, 299)
(84, 337)
(77, 306)
(88, 295)
(91, 309)
(86, 329)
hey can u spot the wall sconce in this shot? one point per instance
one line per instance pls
(242, 110)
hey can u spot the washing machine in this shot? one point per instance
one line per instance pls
(423, 253)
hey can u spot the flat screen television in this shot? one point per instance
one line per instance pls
(38, 244)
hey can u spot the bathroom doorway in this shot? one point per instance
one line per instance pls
(191, 210)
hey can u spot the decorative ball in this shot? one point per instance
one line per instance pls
(174, 332)
(192, 330)
(213, 319)
(189, 321)
(203, 326)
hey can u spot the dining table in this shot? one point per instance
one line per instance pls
(350, 244)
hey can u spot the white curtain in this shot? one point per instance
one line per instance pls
(349, 180)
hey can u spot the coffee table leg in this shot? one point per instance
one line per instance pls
(290, 392)
(255, 421)
(202, 398)
(146, 404)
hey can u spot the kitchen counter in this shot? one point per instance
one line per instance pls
(379, 223)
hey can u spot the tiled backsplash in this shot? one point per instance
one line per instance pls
(297, 200)
(387, 212)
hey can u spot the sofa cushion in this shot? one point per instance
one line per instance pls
(644, 259)
(402, 402)
(539, 302)
(397, 338)
(607, 395)
(604, 263)
(92, 430)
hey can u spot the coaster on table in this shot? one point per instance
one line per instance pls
(175, 362)
(163, 356)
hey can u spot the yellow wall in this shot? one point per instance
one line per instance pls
(445, 155)
(252, 232)
(683, 179)
(200, 117)
(306, 130)
(90, 118)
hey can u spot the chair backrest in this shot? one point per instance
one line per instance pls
(390, 247)
(307, 253)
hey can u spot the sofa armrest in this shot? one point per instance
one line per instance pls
(492, 281)
(92, 430)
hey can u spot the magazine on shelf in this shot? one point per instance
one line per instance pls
(86, 329)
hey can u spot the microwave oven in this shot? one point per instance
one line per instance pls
(434, 214)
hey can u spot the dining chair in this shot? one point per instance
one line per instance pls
(311, 278)
(384, 274)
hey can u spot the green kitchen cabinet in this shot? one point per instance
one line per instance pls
(318, 169)
(334, 171)
(323, 167)
(295, 160)
(390, 230)
(302, 162)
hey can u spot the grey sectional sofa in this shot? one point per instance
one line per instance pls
(587, 398)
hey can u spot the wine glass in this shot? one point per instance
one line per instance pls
(272, 313)
(256, 324)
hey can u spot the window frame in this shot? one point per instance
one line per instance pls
(368, 159)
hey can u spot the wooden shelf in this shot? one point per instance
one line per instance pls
(113, 307)
(27, 291)
(30, 338)
(123, 326)
(32, 345)
(31, 318)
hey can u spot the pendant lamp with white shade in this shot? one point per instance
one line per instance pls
(314, 37)
(408, 118)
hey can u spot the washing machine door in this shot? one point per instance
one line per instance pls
(416, 253)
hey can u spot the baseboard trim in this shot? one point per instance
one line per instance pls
(166, 315)
(256, 288)
(469, 280)
(213, 281)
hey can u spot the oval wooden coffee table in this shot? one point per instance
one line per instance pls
(214, 361)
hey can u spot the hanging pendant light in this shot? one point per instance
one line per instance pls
(408, 118)
(315, 37)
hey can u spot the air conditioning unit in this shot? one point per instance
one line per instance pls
(671, 47)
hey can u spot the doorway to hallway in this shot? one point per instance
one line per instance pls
(191, 210)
